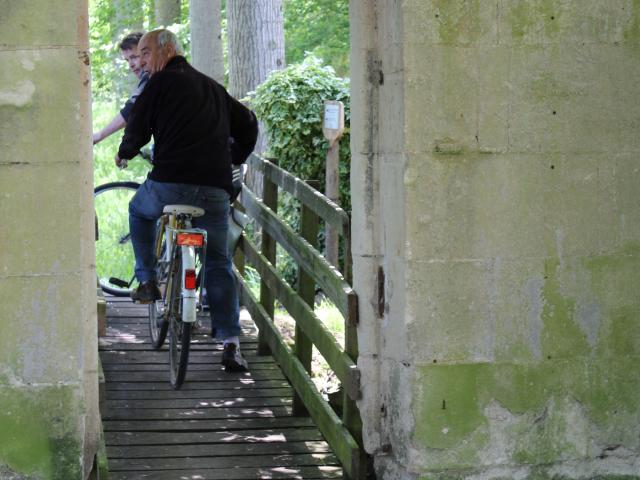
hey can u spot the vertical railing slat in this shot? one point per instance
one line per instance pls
(270, 199)
(307, 290)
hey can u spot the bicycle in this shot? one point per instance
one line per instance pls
(114, 254)
(180, 253)
(179, 271)
(115, 263)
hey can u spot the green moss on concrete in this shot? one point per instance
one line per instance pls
(538, 473)
(451, 403)
(581, 393)
(458, 22)
(39, 432)
(526, 17)
(562, 336)
(632, 32)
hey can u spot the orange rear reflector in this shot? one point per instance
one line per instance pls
(190, 279)
(190, 239)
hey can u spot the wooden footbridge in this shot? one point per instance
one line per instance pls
(270, 422)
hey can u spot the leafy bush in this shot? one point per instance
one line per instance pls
(290, 103)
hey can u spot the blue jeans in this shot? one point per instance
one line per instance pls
(145, 209)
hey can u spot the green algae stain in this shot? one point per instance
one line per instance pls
(536, 473)
(632, 31)
(615, 279)
(450, 406)
(575, 385)
(24, 442)
(527, 18)
(38, 433)
(561, 336)
(458, 22)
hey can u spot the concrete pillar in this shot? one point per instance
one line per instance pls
(496, 236)
(48, 348)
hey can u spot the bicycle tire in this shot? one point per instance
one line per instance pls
(179, 331)
(114, 254)
(158, 324)
(158, 312)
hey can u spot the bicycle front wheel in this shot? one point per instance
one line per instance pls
(114, 253)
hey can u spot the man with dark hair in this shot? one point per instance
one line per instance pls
(192, 119)
(130, 41)
(129, 50)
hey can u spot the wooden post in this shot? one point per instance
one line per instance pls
(307, 291)
(332, 128)
(270, 199)
(102, 314)
(350, 413)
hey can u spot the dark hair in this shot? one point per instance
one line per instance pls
(130, 41)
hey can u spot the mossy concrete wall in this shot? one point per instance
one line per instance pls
(49, 423)
(496, 184)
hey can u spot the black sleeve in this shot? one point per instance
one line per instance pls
(243, 130)
(137, 132)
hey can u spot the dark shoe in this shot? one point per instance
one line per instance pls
(146, 292)
(232, 359)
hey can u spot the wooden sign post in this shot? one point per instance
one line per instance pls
(332, 128)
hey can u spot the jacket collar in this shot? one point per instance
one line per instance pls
(175, 61)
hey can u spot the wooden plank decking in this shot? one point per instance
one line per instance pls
(218, 426)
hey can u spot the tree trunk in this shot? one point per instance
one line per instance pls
(206, 38)
(256, 42)
(167, 12)
(128, 17)
(256, 45)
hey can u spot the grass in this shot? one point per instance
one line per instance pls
(325, 380)
(104, 168)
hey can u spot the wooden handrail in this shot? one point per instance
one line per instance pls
(335, 432)
(343, 434)
(344, 368)
(326, 209)
(327, 276)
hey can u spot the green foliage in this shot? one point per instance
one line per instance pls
(290, 103)
(320, 27)
(101, 15)
(109, 22)
(104, 168)
(113, 258)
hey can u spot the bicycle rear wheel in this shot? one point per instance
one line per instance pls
(114, 254)
(179, 331)
(158, 324)
(158, 310)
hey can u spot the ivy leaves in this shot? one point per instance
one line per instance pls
(290, 104)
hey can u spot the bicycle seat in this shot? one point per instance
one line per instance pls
(184, 209)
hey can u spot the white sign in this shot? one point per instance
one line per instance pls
(332, 116)
(333, 121)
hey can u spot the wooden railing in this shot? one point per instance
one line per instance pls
(342, 433)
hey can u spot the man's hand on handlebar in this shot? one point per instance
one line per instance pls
(121, 163)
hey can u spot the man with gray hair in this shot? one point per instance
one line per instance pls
(192, 119)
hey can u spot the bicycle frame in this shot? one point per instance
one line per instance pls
(174, 227)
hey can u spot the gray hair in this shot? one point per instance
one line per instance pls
(167, 37)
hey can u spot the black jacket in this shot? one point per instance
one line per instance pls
(197, 127)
